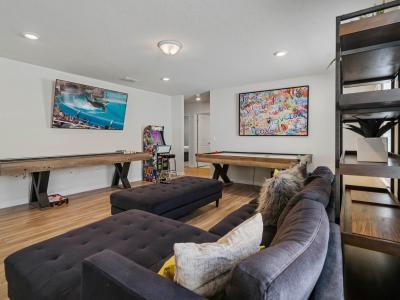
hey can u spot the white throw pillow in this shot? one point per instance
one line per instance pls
(206, 268)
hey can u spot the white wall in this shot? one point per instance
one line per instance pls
(186, 130)
(25, 117)
(191, 131)
(192, 108)
(321, 139)
(177, 115)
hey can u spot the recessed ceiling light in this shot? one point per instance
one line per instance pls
(31, 35)
(280, 53)
(165, 79)
(170, 47)
(198, 98)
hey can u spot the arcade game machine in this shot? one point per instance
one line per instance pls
(163, 166)
(157, 167)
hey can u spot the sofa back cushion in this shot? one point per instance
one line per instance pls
(234, 219)
(318, 190)
(290, 267)
(320, 171)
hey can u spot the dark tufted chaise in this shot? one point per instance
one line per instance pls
(118, 258)
(174, 200)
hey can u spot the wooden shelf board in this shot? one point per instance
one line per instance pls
(371, 64)
(365, 197)
(384, 246)
(370, 31)
(350, 115)
(369, 226)
(373, 99)
(364, 182)
(372, 22)
(377, 222)
(350, 166)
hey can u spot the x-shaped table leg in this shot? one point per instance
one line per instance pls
(222, 171)
(121, 173)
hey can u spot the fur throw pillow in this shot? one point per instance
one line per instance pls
(299, 170)
(275, 194)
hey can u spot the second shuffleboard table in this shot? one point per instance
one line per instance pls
(40, 168)
(222, 160)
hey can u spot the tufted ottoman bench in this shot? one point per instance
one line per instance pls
(52, 269)
(174, 200)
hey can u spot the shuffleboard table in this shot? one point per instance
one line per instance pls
(40, 168)
(222, 160)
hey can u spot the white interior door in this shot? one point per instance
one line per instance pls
(192, 140)
(203, 135)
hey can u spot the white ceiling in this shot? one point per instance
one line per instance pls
(226, 42)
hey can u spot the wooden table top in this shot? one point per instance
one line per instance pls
(253, 159)
(22, 166)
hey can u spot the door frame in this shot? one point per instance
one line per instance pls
(197, 132)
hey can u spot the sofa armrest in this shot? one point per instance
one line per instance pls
(330, 282)
(108, 275)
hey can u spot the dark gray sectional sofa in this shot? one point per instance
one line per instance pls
(118, 258)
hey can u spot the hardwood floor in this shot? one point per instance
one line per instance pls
(22, 226)
(199, 172)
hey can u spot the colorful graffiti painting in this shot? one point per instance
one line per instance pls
(281, 112)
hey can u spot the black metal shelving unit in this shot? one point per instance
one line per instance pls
(368, 53)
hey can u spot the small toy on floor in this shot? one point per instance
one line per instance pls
(58, 200)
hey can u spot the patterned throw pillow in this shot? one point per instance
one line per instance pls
(275, 194)
(206, 268)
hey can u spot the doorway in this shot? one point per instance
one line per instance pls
(197, 138)
(203, 135)
(197, 134)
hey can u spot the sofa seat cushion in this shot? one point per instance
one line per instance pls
(291, 266)
(234, 219)
(239, 216)
(161, 198)
(52, 269)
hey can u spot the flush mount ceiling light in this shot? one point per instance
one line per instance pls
(165, 79)
(170, 47)
(280, 53)
(198, 98)
(31, 35)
